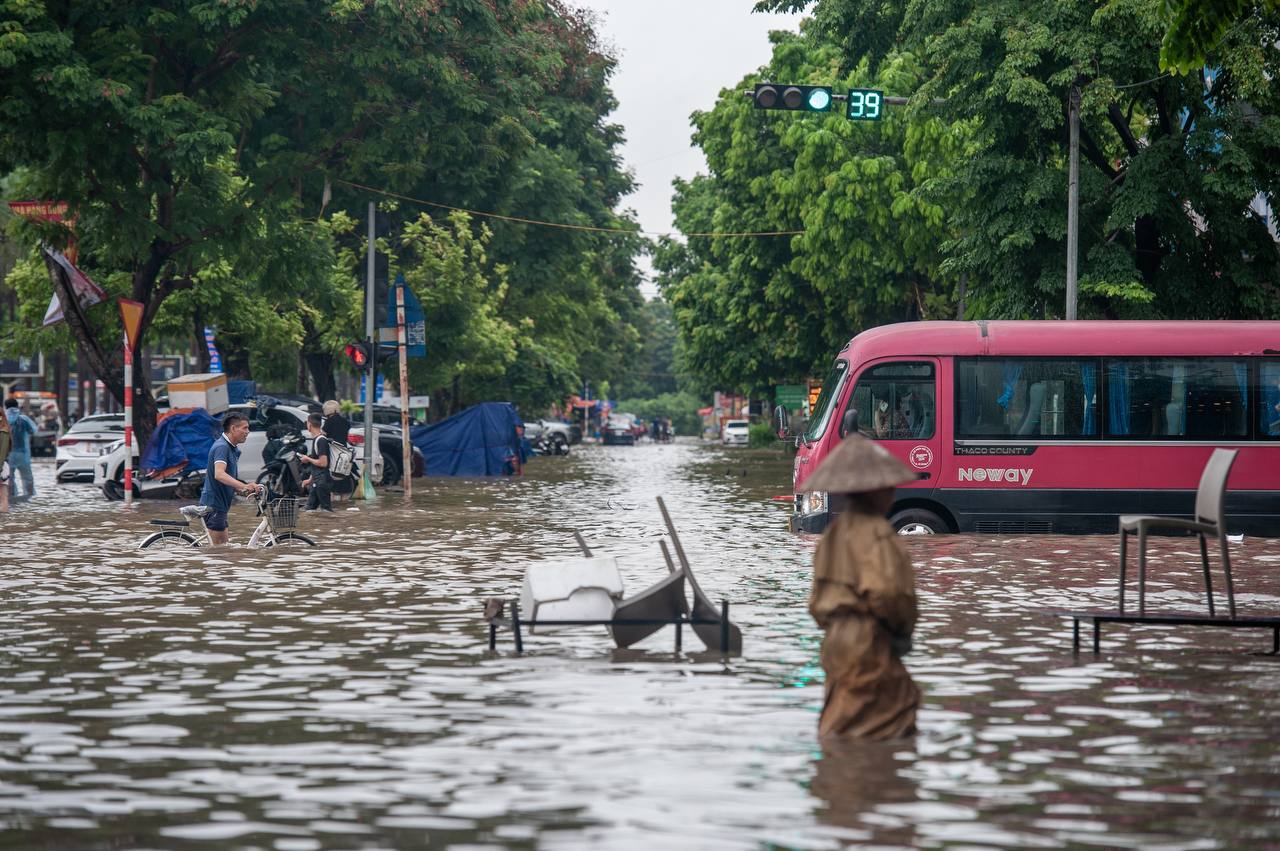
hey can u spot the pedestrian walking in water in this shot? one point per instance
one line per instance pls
(220, 482)
(336, 426)
(864, 597)
(319, 481)
(21, 429)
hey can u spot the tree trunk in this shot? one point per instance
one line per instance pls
(319, 362)
(203, 361)
(235, 354)
(107, 365)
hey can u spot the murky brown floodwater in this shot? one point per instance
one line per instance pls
(345, 698)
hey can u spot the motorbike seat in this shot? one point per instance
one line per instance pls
(194, 511)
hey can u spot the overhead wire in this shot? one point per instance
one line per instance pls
(561, 225)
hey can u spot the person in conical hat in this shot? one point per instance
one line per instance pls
(864, 597)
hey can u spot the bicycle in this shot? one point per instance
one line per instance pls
(279, 519)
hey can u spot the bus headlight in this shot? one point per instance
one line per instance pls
(813, 502)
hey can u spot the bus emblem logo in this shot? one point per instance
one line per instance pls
(1016, 475)
(920, 457)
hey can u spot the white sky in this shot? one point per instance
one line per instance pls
(674, 57)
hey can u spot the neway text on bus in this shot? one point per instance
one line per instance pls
(1016, 475)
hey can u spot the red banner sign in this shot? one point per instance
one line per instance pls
(49, 211)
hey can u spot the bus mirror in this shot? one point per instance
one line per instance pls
(781, 423)
(849, 422)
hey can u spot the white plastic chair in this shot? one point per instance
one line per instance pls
(1209, 519)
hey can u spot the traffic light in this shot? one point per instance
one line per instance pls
(786, 96)
(360, 353)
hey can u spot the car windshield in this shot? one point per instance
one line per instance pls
(831, 390)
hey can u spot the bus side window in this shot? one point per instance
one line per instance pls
(1177, 397)
(1027, 398)
(1269, 416)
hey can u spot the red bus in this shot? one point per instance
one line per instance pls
(1059, 426)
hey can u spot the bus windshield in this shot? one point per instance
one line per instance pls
(831, 391)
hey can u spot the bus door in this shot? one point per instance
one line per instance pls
(897, 406)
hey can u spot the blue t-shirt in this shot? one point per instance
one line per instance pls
(215, 493)
(21, 427)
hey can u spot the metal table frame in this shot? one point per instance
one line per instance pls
(1098, 618)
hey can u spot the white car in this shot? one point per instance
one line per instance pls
(108, 473)
(84, 443)
(736, 433)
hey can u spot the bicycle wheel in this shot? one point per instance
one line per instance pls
(168, 539)
(290, 539)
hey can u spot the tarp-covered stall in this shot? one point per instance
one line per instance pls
(480, 441)
(180, 442)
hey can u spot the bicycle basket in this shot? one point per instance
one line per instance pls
(284, 512)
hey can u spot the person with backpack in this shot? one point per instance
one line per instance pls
(319, 480)
(21, 429)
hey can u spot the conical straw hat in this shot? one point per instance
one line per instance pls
(859, 465)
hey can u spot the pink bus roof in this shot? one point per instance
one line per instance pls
(1063, 338)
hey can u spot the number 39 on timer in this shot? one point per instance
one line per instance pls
(865, 104)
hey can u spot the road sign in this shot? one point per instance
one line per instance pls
(131, 314)
(791, 396)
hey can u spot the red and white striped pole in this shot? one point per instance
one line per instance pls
(128, 424)
(131, 315)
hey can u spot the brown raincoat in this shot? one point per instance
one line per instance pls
(864, 593)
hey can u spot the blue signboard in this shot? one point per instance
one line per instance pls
(377, 388)
(415, 320)
(215, 360)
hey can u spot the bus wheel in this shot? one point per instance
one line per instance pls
(918, 521)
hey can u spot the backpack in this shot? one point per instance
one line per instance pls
(341, 457)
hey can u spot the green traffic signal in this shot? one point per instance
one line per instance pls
(785, 96)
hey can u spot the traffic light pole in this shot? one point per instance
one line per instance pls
(371, 372)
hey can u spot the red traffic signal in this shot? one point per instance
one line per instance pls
(359, 354)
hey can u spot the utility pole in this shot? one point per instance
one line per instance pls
(1073, 199)
(406, 456)
(371, 371)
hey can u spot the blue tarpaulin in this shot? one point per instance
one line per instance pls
(480, 441)
(180, 442)
(241, 390)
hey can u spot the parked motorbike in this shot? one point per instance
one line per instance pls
(282, 471)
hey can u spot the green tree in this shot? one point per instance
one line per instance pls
(861, 200)
(1175, 171)
(1196, 28)
(447, 268)
(187, 140)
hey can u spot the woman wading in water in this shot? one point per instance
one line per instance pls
(864, 597)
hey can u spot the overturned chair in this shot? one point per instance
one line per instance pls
(1209, 519)
(582, 601)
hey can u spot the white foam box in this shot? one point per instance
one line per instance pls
(206, 390)
(571, 589)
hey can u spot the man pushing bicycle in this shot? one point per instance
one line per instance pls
(220, 482)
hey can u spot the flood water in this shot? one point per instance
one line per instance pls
(345, 697)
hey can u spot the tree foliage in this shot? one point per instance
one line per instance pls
(1176, 172)
(193, 145)
(862, 198)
